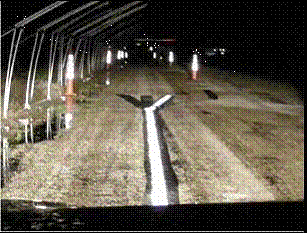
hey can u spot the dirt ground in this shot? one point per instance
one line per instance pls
(244, 149)
(268, 141)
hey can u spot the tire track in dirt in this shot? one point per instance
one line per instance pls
(220, 176)
(261, 139)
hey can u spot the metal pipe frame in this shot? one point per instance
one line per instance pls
(109, 22)
(121, 25)
(40, 13)
(80, 17)
(51, 63)
(36, 15)
(130, 29)
(100, 37)
(106, 24)
(49, 67)
(65, 56)
(9, 80)
(60, 68)
(68, 48)
(102, 61)
(69, 14)
(52, 55)
(75, 30)
(27, 106)
(37, 57)
(10, 60)
(98, 57)
(106, 16)
(59, 30)
(77, 27)
(89, 56)
(77, 49)
(81, 65)
(93, 56)
(82, 40)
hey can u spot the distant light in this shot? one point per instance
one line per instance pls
(151, 48)
(138, 44)
(119, 55)
(215, 50)
(70, 67)
(222, 53)
(194, 66)
(171, 57)
(108, 57)
(154, 55)
(126, 54)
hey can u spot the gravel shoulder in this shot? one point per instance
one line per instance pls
(98, 162)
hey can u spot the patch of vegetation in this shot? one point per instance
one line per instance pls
(20, 136)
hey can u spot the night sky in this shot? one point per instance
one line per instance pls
(268, 36)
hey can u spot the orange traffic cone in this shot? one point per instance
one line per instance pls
(108, 59)
(194, 75)
(70, 103)
(70, 77)
(194, 67)
(70, 88)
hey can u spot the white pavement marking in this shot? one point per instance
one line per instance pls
(158, 182)
(158, 190)
(161, 101)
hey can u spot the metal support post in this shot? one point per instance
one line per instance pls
(9, 76)
(27, 106)
(35, 65)
(51, 64)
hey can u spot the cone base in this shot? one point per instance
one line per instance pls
(70, 94)
(194, 75)
(70, 89)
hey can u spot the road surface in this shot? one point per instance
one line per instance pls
(239, 147)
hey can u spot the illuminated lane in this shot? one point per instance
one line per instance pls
(103, 156)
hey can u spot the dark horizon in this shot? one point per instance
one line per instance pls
(266, 39)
